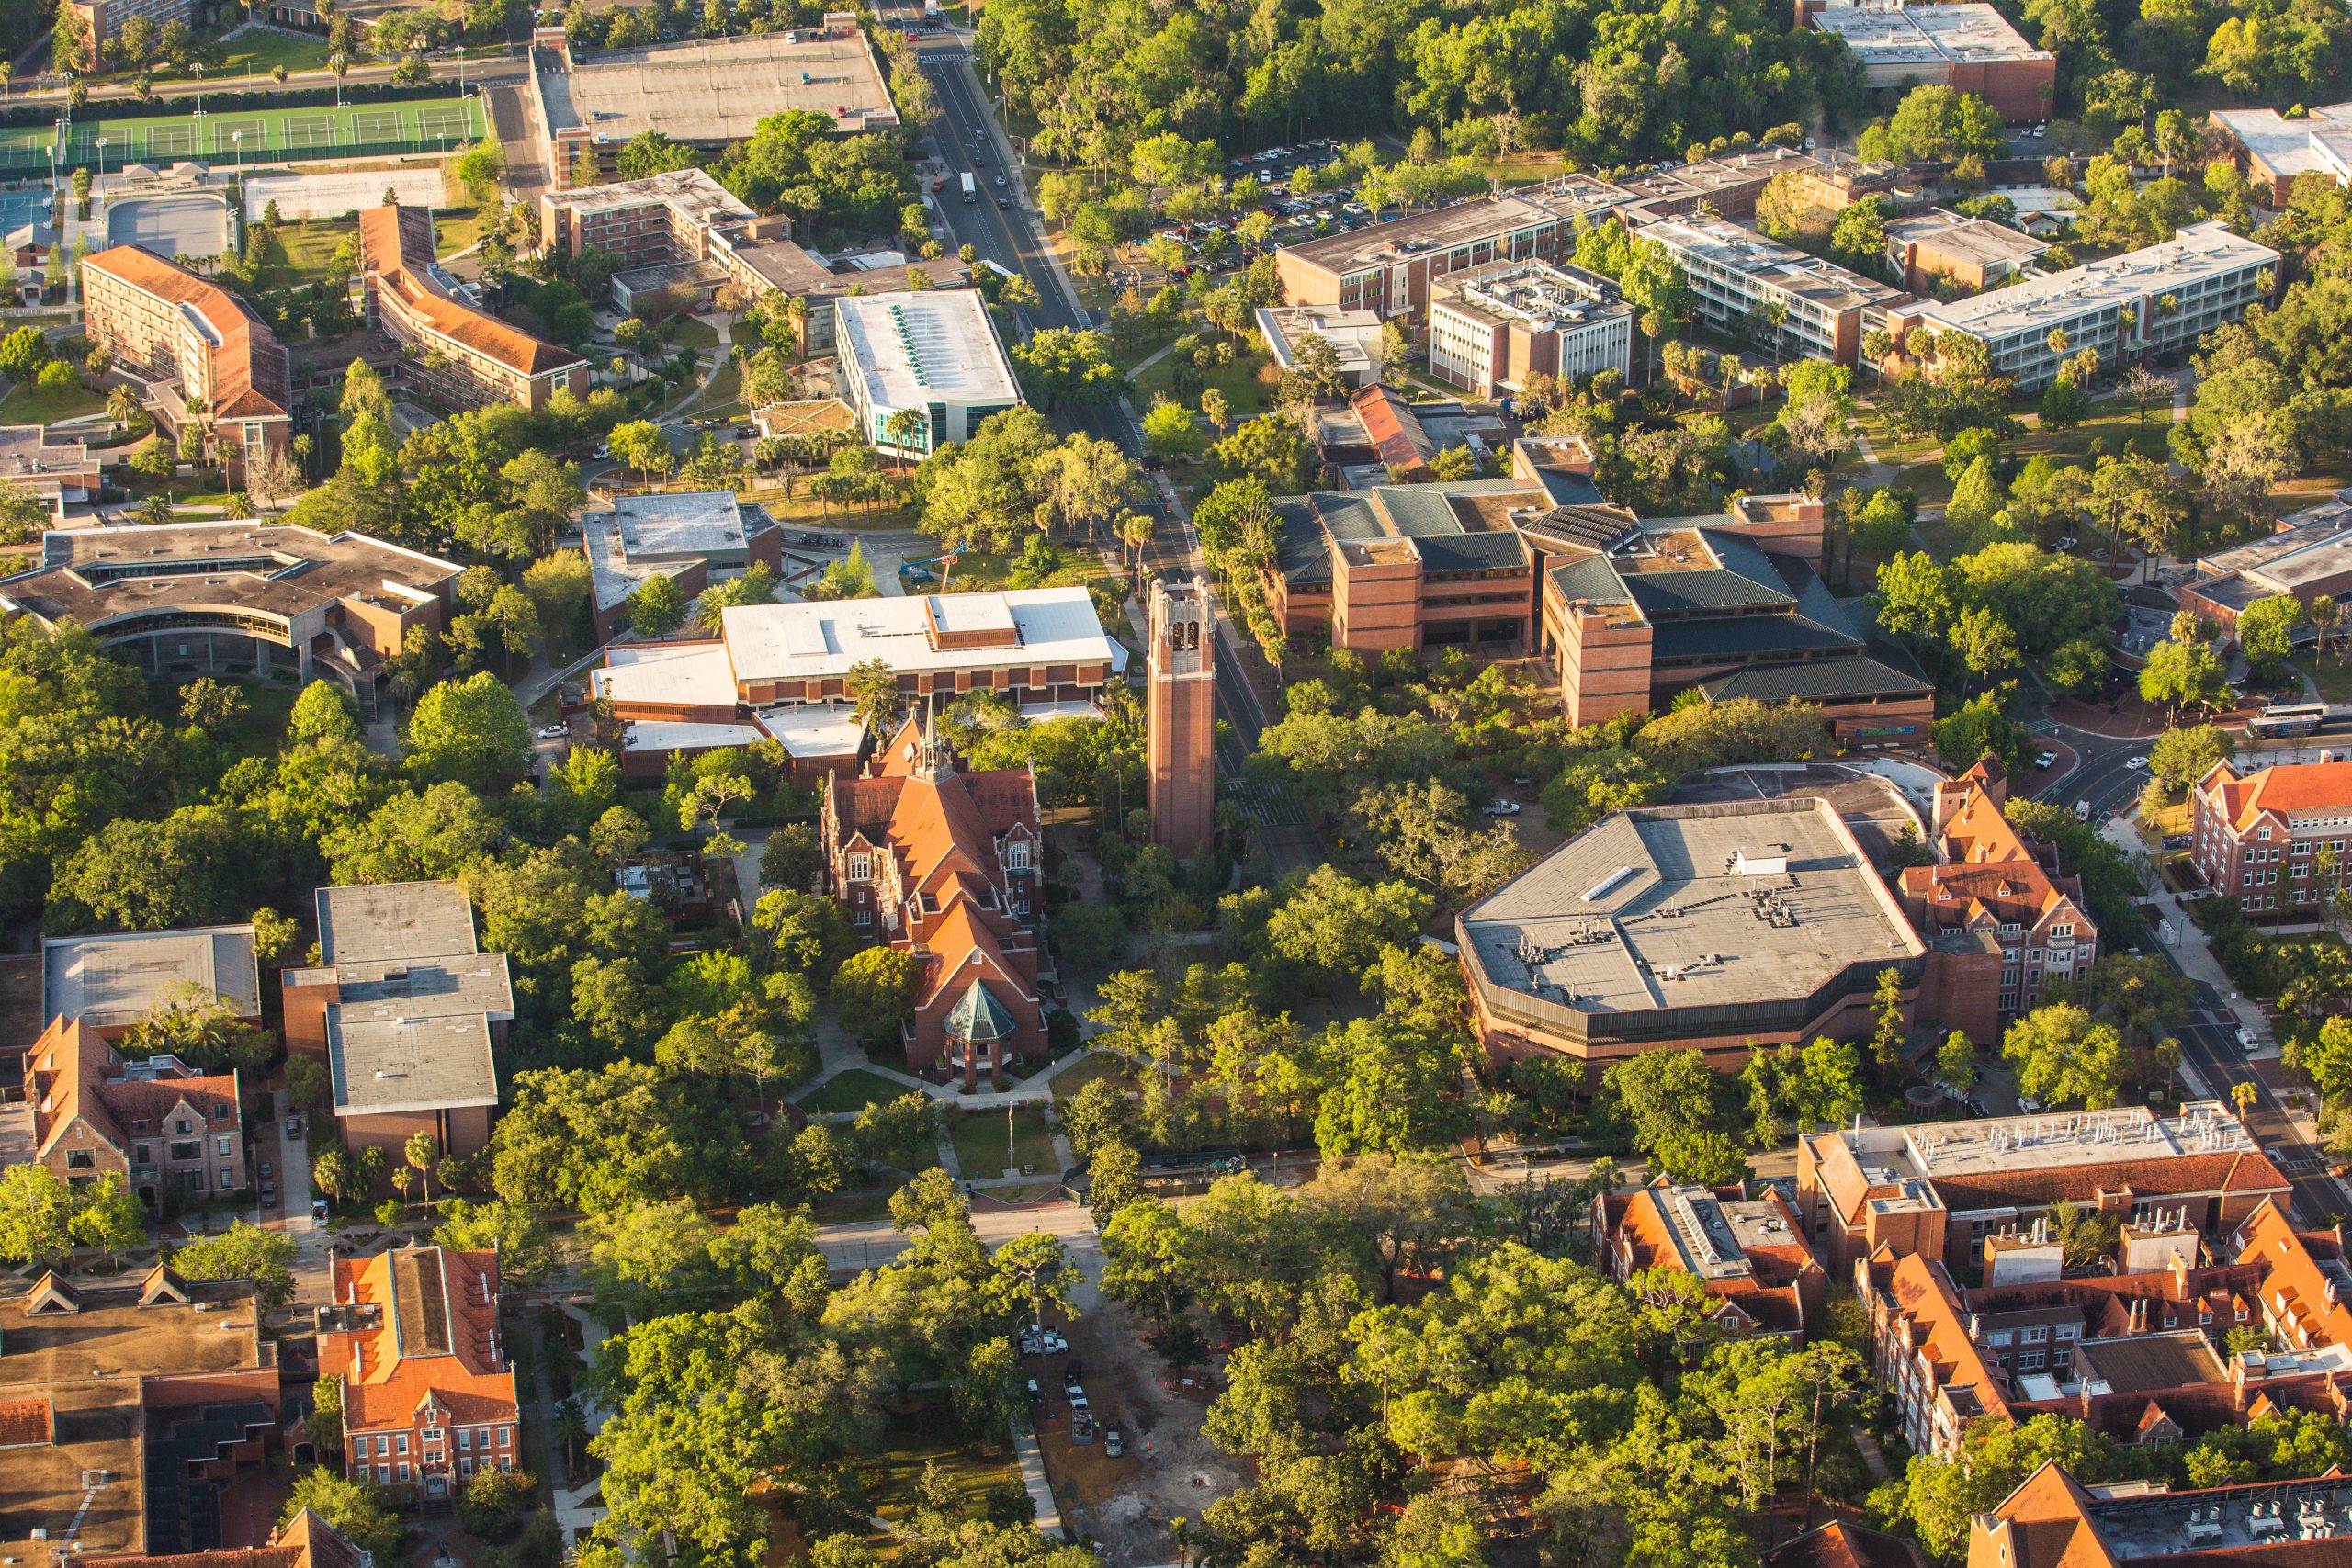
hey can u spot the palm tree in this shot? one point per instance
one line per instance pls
(122, 406)
(570, 1431)
(423, 1151)
(2326, 616)
(2242, 1094)
(902, 427)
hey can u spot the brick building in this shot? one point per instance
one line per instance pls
(106, 17)
(2273, 839)
(2274, 152)
(134, 1410)
(2308, 554)
(2053, 1521)
(1972, 255)
(406, 1013)
(1971, 48)
(459, 353)
(694, 538)
(944, 864)
(173, 1134)
(110, 981)
(205, 359)
(1939, 1189)
(1180, 718)
(428, 1397)
(1997, 907)
(1493, 326)
(1747, 1254)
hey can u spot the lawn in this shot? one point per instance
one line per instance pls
(2113, 427)
(27, 404)
(257, 51)
(852, 1090)
(723, 397)
(804, 510)
(976, 571)
(2332, 675)
(695, 334)
(1078, 1075)
(1239, 381)
(979, 1140)
(921, 1439)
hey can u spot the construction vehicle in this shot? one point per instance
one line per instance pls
(920, 570)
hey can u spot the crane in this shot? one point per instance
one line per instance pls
(918, 571)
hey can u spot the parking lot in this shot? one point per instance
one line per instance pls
(1218, 242)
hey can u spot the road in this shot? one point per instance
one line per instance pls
(1010, 236)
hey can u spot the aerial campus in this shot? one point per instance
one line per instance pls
(1531, 784)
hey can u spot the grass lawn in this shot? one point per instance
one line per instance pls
(862, 1209)
(27, 404)
(695, 334)
(1521, 168)
(803, 510)
(723, 396)
(1239, 381)
(977, 571)
(2332, 675)
(1078, 1075)
(852, 1090)
(980, 1143)
(253, 53)
(922, 1439)
(454, 231)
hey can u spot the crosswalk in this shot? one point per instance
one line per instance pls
(2043, 725)
(1268, 804)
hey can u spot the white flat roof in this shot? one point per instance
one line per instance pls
(923, 346)
(695, 672)
(806, 642)
(647, 735)
(2197, 252)
(2319, 144)
(815, 729)
(1038, 713)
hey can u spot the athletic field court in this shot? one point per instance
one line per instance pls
(171, 225)
(265, 136)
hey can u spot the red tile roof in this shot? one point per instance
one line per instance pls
(71, 1073)
(2315, 1311)
(249, 374)
(434, 1334)
(2290, 788)
(1840, 1545)
(396, 248)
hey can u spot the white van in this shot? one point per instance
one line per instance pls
(2082, 811)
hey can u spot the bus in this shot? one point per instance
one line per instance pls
(971, 191)
(2283, 720)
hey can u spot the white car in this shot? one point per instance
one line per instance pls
(1503, 808)
(2245, 1038)
(2068, 543)
(2138, 764)
(2043, 759)
(1054, 1342)
(554, 731)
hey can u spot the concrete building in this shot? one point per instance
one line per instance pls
(1940, 247)
(2142, 304)
(2308, 554)
(406, 1012)
(203, 357)
(709, 92)
(1971, 47)
(113, 980)
(1180, 718)
(695, 538)
(1747, 1254)
(930, 355)
(2005, 922)
(428, 1396)
(2272, 839)
(2275, 152)
(173, 1134)
(1387, 268)
(1738, 278)
(1354, 338)
(1939, 1189)
(460, 355)
(2053, 1521)
(1724, 929)
(1493, 326)
(944, 864)
(226, 598)
(61, 472)
(132, 1410)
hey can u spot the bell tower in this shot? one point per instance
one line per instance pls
(1180, 718)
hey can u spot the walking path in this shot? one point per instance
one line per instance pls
(1040, 1491)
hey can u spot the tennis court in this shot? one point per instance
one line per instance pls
(171, 225)
(433, 125)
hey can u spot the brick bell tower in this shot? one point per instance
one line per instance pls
(1180, 718)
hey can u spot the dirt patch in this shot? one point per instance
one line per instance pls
(1167, 1471)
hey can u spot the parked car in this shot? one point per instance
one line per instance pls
(319, 1209)
(2245, 1038)
(2068, 543)
(264, 1170)
(268, 1194)
(1054, 1342)
(2044, 758)
(1502, 809)
(293, 1126)
(1029, 1344)
(554, 731)
(1112, 1444)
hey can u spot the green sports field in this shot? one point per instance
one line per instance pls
(263, 136)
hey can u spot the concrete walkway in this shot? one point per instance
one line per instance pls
(1040, 1491)
(846, 1055)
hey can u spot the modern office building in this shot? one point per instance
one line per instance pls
(2007, 924)
(709, 92)
(1971, 47)
(944, 864)
(174, 1135)
(695, 538)
(406, 1012)
(1387, 268)
(1740, 282)
(203, 357)
(2142, 304)
(415, 1338)
(1493, 326)
(1938, 247)
(1724, 929)
(921, 368)
(1939, 1189)
(2273, 838)
(459, 353)
(2275, 152)
(232, 598)
(1747, 1254)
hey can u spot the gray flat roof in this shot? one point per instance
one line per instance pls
(695, 525)
(1678, 906)
(388, 921)
(91, 576)
(410, 1026)
(383, 1066)
(111, 981)
(719, 90)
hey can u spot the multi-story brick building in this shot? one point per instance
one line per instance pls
(1743, 283)
(1972, 255)
(1493, 327)
(405, 1011)
(1747, 1254)
(2142, 304)
(1969, 46)
(112, 980)
(428, 1396)
(106, 17)
(208, 361)
(1939, 1189)
(2010, 922)
(944, 864)
(2275, 152)
(1726, 183)
(2053, 1521)
(2274, 839)
(695, 538)
(2307, 555)
(463, 356)
(173, 1134)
